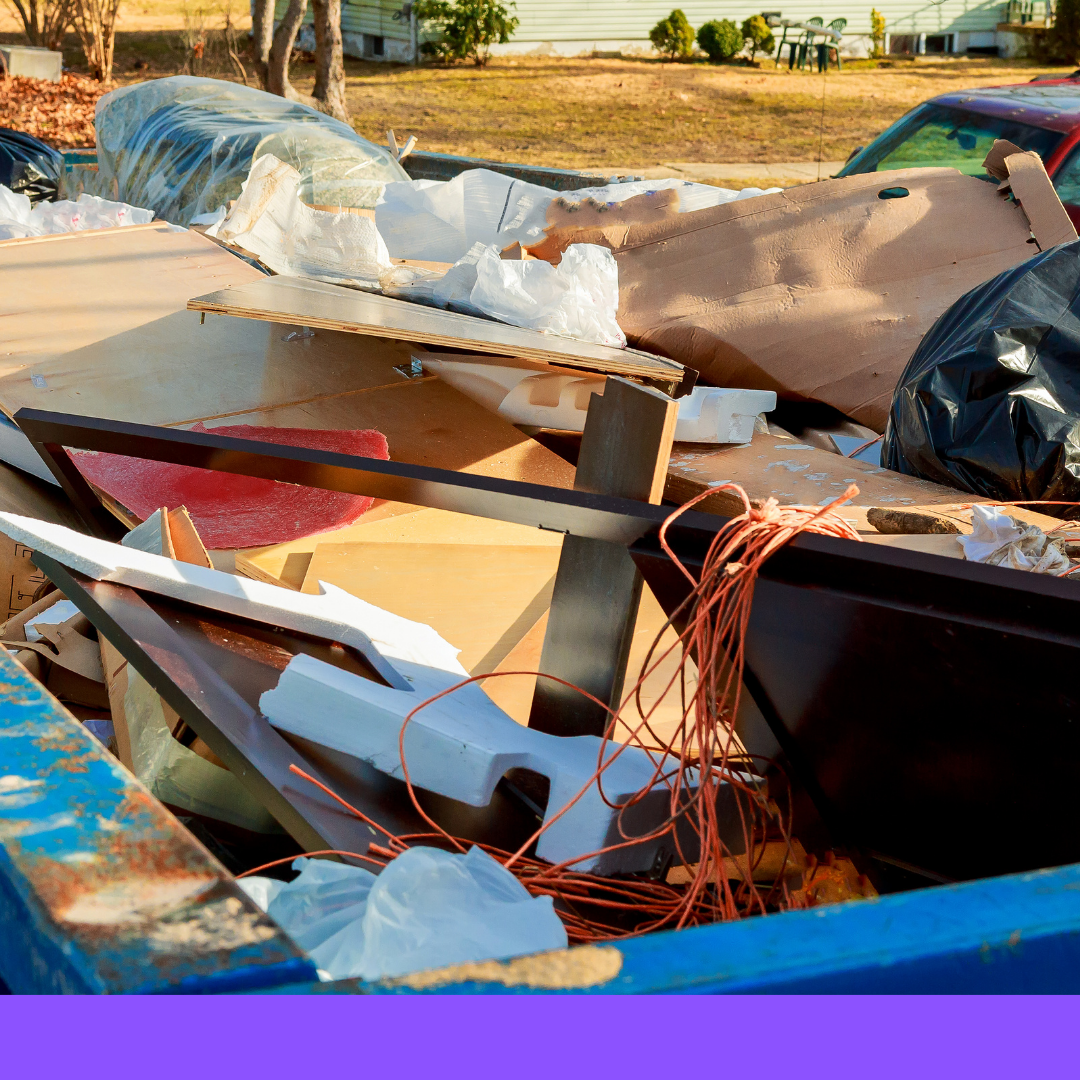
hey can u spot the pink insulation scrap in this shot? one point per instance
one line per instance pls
(238, 511)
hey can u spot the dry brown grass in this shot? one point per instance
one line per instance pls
(606, 114)
(589, 113)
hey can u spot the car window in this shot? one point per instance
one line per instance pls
(1067, 179)
(936, 135)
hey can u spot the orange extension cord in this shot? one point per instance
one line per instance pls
(702, 754)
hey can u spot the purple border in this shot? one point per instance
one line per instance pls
(549, 1037)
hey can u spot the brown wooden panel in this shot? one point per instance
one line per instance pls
(313, 303)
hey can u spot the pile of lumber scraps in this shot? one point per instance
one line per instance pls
(61, 114)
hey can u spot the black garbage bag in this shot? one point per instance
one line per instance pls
(29, 167)
(990, 401)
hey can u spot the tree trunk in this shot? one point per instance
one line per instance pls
(329, 58)
(262, 32)
(277, 75)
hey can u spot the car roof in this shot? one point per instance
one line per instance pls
(1052, 104)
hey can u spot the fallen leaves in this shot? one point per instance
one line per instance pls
(61, 114)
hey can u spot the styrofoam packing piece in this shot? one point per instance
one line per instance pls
(270, 221)
(383, 638)
(460, 747)
(19, 219)
(440, 220)
(708, 414)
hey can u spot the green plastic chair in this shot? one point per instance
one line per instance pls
(807, 41)
(830, 45)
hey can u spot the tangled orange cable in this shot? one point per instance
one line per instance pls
(701, 756)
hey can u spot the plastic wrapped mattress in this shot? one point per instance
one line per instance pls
(183, 147)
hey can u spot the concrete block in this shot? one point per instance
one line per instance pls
(32, 61)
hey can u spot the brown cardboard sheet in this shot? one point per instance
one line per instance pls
(820, 292)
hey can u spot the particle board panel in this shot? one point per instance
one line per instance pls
(426, 422)
(389, 522)
(481, 598)
(96, 324)
(314, 303)
(661, 698)
(792, 473)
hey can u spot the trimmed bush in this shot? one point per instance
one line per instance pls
(757, 34)
(673, 35)
(721, 39)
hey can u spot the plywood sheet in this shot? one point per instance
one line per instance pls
(313, 303)
(96, 324)
(480, 598)
(792, 473)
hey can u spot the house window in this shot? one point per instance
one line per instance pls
(373, 45)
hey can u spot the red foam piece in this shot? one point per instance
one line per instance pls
(233, 511)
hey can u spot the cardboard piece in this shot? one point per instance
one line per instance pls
(1032, 189)
(820, 292)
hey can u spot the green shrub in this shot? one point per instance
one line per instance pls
(467, 28)
(721, 39)
(757, 35)
(877, 34)
(673, 35)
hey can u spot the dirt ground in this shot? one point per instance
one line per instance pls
(602, 113)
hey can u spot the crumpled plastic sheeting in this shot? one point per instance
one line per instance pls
(271, 222)
(183, 146)
(428, 908)
(577, 299)
(18, 218)
(1000, 540)
(440, 220)
(990, 400)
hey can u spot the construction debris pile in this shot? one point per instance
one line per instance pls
(478, 569)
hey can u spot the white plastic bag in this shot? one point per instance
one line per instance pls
(322, 910)
(271, 222)
(18, 219)
(579, 298)
(1000, 540)
(427, 909)
(440, 221)
(430, 908)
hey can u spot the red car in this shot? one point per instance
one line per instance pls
(958, 129)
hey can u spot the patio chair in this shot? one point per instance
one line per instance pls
(806, 42)
(798, 46)
(830, 45)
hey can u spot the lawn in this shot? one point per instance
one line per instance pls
(602, 113)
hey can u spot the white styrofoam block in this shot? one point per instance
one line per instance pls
(383, 638)
(708, 414)
(460, 747)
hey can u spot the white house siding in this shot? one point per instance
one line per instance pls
(572, 27)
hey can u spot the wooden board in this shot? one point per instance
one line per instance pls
(313, 303)
(793, 473)
(96, 324)
(480, 598)
(390, 523)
